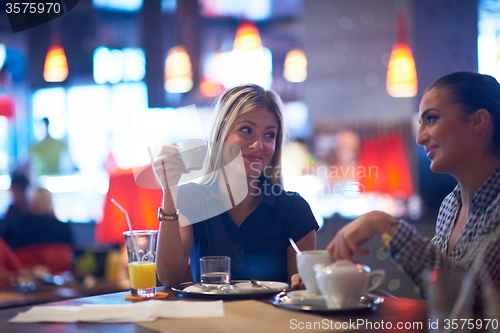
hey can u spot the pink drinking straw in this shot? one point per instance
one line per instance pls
(129, 227)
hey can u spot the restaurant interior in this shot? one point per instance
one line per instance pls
(116, 77)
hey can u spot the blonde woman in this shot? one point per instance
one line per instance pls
(255, 228)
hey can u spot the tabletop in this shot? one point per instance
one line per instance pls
(403, 314)
(46, 293)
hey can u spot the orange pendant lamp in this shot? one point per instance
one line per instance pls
(401, 73)
(295, 68)
(247, 37)
(55, 68)
(178, 74)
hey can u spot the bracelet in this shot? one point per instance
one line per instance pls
(167, 217)
(387, 236)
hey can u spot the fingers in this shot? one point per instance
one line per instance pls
(168, 166)
(344, 246)
(296, 282)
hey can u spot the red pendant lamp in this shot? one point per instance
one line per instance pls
(401, 72)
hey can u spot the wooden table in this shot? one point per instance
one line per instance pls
(409, 313)
(53, 293)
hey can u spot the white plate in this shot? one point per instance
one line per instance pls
(239, 289)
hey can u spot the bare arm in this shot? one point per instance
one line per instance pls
(174, 241)
(174, 246)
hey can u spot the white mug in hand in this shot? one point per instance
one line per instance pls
(344, 282)
(193, 153)
(305, 264)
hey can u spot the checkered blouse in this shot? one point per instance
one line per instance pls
(478, 242)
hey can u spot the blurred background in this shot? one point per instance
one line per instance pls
(84, 95)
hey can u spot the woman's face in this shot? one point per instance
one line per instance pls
(444, 132)
(255, 134)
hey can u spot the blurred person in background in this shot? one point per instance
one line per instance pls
(19, 204)
(50, 156)
(40, 226)
(39, 238)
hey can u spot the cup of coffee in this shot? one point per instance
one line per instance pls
(344, 282)
(193, 153)
(305, 264)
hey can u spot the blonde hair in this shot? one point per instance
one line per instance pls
(233, 103)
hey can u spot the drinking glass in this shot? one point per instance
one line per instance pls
(449, 295)
(215, 273)
(141, 250)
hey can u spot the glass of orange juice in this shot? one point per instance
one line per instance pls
(141, 250)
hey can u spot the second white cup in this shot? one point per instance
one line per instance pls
(305, 264)
(344, 282)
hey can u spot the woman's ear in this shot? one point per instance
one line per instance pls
(480, 120)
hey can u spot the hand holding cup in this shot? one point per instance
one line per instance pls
(177, 159)
(168, 166)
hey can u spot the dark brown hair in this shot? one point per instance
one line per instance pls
(475, 91)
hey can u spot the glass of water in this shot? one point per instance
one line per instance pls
(215, 273)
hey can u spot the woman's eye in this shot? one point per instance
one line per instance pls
(245, 130)
(431, 119)
(271, 135)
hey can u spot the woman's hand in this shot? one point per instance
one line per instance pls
(297, 282)
(168, 166)
(350, 238)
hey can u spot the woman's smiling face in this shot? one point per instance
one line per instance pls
(255, 134)
(443, 131)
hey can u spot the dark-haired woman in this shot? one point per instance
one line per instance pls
(459, 129)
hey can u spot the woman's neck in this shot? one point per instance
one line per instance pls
(474, 176)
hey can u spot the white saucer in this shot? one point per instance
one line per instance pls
(303, 297)
(304, 301)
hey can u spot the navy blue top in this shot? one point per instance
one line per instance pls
(258, 248)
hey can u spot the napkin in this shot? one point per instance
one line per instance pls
(113, 313)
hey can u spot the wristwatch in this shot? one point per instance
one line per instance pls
(167, 217)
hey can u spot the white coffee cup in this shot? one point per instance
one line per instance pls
(344, 282)
(193, 153)
(305, 264)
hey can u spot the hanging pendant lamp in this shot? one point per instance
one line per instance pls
(55, 68)
(178, 74)
(401, 72)
(247, 37)
(295, 67)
